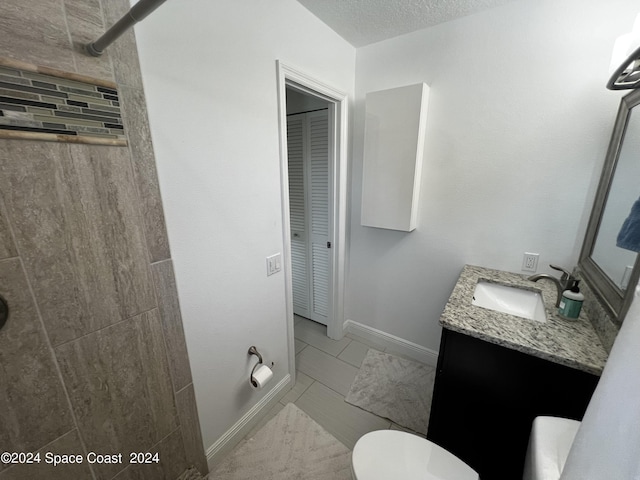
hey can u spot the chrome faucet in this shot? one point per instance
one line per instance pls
(565, 282)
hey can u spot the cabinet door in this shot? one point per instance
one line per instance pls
(486, 397)
(395, 125)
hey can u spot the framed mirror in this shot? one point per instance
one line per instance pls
(609, 258)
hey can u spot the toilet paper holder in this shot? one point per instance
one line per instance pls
(254, 351)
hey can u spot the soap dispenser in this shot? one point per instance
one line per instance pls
(571, 302)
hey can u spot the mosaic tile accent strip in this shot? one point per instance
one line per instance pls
(41, 103)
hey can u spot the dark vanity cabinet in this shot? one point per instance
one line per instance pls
(486, 397)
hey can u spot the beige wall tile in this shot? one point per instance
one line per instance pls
(124, 51)
(84, 18)
(7, 247)
(190, 427)
(171, 464)
(36, 32)
(134, 111)
(88, 221)
(33, 408)
(169, 308)
(68, 444)
(74, 215)
(119, 386)
(172, 456)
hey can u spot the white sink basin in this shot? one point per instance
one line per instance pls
(512, 300)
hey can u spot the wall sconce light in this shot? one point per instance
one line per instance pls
(625, 60)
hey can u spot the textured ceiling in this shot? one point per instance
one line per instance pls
(362, 22)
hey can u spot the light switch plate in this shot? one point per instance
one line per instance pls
(274, 264)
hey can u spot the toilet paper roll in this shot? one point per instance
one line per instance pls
(261, 376)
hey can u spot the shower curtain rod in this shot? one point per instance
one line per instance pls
(137, 13)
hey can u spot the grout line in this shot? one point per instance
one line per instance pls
(38, 310)
(345, 347)
(160, 261)
(13, 466)
(301, 341)
(343, 396)
(105, 327)
(328, 354)
(305, 390)
(54, 356)
(70, 38)
(127, 121)
(324, 335)
(319, 382)
(157, 444)
(5, 213)
(61, 436)
(56, 365)
(184, 388)
(45, 333)
(170, 364)
(308, 387)
(344, 399)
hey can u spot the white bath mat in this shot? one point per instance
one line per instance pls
(290, 446)
(394, 388)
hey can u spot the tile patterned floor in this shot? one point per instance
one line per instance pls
(325, 370)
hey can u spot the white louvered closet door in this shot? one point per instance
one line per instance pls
(297, 207)
(308, 146)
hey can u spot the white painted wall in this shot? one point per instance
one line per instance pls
(518, 125)
(519, 121)
(209, 71)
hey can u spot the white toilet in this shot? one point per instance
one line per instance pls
(391, 454)
(549, 444)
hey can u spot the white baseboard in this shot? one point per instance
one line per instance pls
(391, 343)
(239, 430)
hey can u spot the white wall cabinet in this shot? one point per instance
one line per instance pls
(393, 149)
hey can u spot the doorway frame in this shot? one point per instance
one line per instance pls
(338, 118)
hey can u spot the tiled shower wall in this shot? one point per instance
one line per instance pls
(93, 357)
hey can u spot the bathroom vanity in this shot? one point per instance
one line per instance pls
(496, 372)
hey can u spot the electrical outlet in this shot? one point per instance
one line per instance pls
(530, 262)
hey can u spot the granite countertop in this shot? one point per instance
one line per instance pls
(573, 343)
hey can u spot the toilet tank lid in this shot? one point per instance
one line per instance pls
(549, 444)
